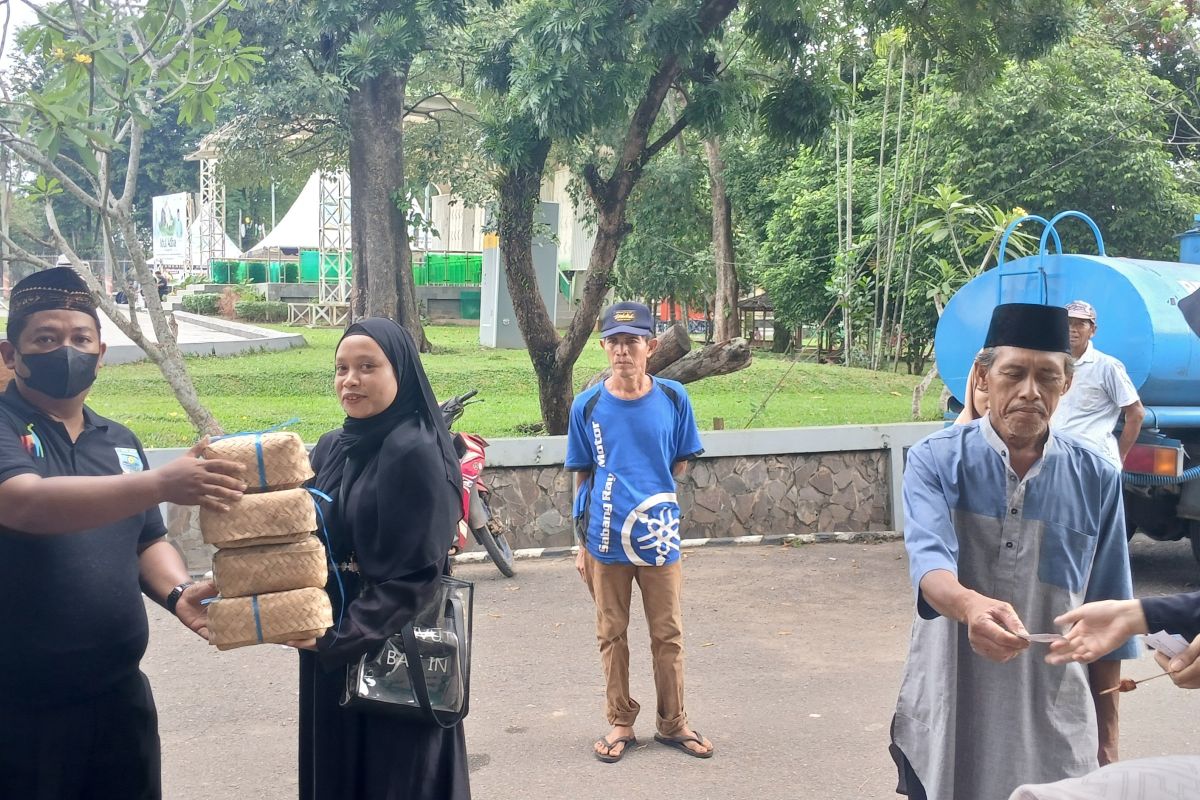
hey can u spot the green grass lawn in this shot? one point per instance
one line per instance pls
(257, 391)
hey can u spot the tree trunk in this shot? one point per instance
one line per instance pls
(379, 201)
(725, 314)
(672, 346)
(519, 190)
(782, 340)
(554, 358)
(5, 218)
(920, 389)
(720, 358)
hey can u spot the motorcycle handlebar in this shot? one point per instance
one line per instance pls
(453, 408)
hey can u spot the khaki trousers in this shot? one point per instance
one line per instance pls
(611, 586)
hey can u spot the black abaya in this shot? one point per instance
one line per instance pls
(401, 507)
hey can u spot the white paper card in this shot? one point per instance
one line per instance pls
(1169, 644)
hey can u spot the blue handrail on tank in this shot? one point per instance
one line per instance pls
(1076, 215)
(1171, 417)
(1012, 226)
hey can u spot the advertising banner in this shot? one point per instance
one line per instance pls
(170, 225)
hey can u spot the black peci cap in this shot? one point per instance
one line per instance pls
(626, 317)
(1031, 326)
(49, 290)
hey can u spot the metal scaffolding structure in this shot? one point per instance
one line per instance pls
(335, 237)
(212, 201)
(212, 209)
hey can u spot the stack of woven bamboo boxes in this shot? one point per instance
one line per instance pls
(269, 568)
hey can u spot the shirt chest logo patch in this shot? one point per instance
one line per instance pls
(32, 444)
(131, 460)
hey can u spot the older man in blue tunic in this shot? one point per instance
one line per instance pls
(1007, 526)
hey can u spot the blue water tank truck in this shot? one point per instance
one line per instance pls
(1148, 315)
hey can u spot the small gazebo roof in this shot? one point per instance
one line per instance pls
(756, 302)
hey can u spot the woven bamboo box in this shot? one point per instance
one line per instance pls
(277, 617)
(271, 460)
(257, 519)
(243, 571)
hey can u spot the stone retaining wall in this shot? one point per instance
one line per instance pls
(760, 482)
(720, 497)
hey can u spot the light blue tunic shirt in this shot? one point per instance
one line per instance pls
(972, 728)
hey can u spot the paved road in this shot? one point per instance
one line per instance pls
(794, 658)
(188, 332)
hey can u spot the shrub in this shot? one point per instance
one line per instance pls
(262, 311)
(200, 304)
(248, 294)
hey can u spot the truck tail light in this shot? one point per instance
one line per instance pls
(1151, 459)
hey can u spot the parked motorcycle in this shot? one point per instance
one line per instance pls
(477, 512)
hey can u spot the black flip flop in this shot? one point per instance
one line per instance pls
(680, 743)
(609, 758)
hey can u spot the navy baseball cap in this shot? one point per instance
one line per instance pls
(626, 317)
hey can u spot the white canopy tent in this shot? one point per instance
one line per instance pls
(194, 231)
(300, 227)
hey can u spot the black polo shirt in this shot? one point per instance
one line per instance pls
(72, 621)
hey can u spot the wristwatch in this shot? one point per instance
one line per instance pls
(176, 593)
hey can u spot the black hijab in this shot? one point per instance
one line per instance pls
(402, 499)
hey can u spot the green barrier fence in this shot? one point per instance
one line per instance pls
(449, 269)
(310, 266)
(468, 305)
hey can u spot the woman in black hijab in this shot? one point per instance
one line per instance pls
(394, 478)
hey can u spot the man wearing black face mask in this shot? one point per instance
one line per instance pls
(80, 538)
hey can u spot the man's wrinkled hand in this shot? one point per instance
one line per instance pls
(579, 565)
(1185, 667)
(1096, 630)
(191, 480)
(992, 628)
(191, 611)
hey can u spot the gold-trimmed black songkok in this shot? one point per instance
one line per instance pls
(49, 290)
(1031, 326)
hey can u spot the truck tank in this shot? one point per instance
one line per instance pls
(1139, 318)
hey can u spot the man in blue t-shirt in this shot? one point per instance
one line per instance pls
(630, 437)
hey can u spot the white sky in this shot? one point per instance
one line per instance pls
(19, 14)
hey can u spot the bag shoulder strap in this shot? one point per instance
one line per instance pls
(416, 671)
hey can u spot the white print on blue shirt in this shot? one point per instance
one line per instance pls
(606, 504)
(131, 460)
(628, 507)
(598, 437)
(662, 529)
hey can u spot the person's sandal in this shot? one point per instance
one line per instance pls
(608, 757)
(680, 743)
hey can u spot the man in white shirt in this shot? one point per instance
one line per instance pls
(1100, 392)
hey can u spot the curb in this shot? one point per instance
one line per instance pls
(841, 537)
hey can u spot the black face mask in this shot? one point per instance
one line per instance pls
(63, 373)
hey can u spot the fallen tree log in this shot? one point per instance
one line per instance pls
(672, 346)
(718, 358)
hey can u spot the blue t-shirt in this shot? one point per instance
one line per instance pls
(628, 506)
